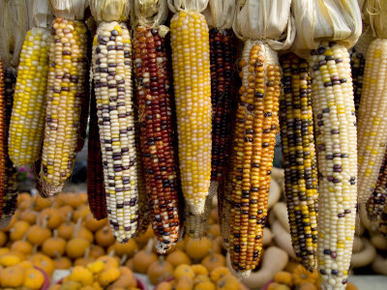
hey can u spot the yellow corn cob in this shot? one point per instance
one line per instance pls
(112, 72)
(27, 120)
(192, 84)
(372, 119)
(299, 158)
(254, 139)
(335, 123)
(65, 90)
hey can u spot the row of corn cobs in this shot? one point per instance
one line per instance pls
(51, 107)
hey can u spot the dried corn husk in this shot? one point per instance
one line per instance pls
(327, 20)
(150, 12)
(110, 10)
(69, 9)
(220, 13)
(196, 5)
(265, 20)
(42, 14)
(376, 10)
(14, 24)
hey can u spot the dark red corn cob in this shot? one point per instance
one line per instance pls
(95, 182)
(377, 201)
(9, 199)
(223, 98)
(156, 134)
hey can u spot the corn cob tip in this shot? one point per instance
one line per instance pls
(162, 249)
(49, 190)
(238, 274)
(197, 207)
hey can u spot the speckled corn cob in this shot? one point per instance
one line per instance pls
(95, 183)
(335, 123)
(27, 120)
(65, 91)
(9, 203)
(156, 134)
(372, 119)
(3, 139)
(298, 150)
(383, 223)
(112, 68)
(253, 152)
(192, 84)
(378, 198)
(357, 69)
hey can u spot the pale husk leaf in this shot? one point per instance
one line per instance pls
(376, 10)
(195, 5)
(326, 20)
(110, 10)
(30, 12)
(268, 20)
(220, 13)
(14, 24)
(149, 12)
(69, 9)
(42, 14)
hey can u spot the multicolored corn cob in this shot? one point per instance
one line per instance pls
(27, 120)
(192, 84)
(335, 124)
(3, 139)
(156, 133)
(253, 151)
(95, 183)
(65, 91)
(378, 199)
(372, 119)
(357, 70)
(112, 71)
(299, 157)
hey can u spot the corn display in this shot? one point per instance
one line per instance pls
(112, 72)
(156, 133)
(27, 120)
(95, 182)
(65, 90)
(299, 158)
(254, 139)
(378, 198)
(3, 139)
(192, 86)
(335, 123)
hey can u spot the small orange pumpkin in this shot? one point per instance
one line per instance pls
(62, 263)
(76, 247)
(127, 249)
(197, 249)
(18, 230)
(43, 262)
(177, 258)
(94, 225)
(96, 251)
(109, 261)
(53, 217)
(23, 247)
(213, 261)
(3, 239)
(142, 260)
(12, 277)
(66, 230)
(81, 213)
(54, 246)
(159, 271)
(29, 216)
(37, 234)
(41, 203)
(33, 278)
(65, 210)
(104, 237)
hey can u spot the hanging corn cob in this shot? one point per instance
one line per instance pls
(192, 85)
(112, 73)
(2, 138)
(378, 198)
(66, 88)
(153, 94)
(373, 106)
(95, 182)
(326, 39)
(219, 15)
(256, 125)
(15, 17)
(27, 120)
(298, 151)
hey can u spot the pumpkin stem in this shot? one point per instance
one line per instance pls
(123, 260)
(149, 246)
(55, 234)
(68, 218)
(35, 250)
(161, 260)
(111, 253)
(77, 227)
(45, 220)
(87, 253)
(57, 255)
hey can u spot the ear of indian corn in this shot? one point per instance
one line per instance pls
(3, 139)
(299, 158)
(253, 151)
(335, 125)
(112, 72)
(65, 90)
(372, 119)
(378, 198)
(357, 70)
(383, 223)
(95, 182)
(156, 133)
(192, 85)
(27, 120)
